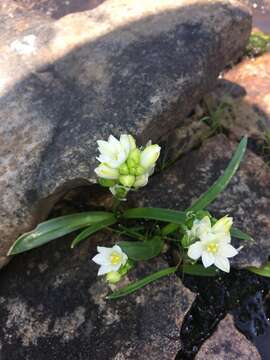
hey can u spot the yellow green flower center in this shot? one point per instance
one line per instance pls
(115, 258)
(212, 247)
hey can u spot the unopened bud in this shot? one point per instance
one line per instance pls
(113, 277)
(149, 156)
(106, 182)
(106, 172)
(123, 169)
(141, 180)
(127, 180)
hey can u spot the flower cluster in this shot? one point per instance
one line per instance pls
(212, 243)
(113, 262)
(124, 165)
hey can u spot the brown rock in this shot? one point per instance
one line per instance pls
(227, 343)
(246, 91)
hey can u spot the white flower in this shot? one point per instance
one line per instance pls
(114, 152)
(214, 243)
(109, 259)
(149, 156)
(106, 172)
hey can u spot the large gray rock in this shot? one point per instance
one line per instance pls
(53, 306)
(227, 343)
(247, 198)
(126, 66)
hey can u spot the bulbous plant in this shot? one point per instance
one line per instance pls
(202, 241)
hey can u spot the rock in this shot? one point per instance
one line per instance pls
(56, 9)
(227, 343)
(247, 198)
(184, 138)
(246, 91)
(122, 67)
(53, 306)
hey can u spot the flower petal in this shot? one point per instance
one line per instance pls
(104, 269)
(125, 143)
(114, 143)
(227, 251)
(117, 248)
(100, 259)
(124, 259)
(105, 148)
(223, 225)
(104, 250)
(222, 263)
(208, 259)
(201, 228)
(195, 250)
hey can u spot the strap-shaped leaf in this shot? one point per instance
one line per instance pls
(159, 214)
(199, 270)
(142, 250)
(55, 228)
(263, 271)
(141, 283)
(239, 234)
(92, 229)
(212, 193)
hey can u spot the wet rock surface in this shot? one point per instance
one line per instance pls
(138, 68)
(53, 306)
(227, 343)
(247, 198)
(222, 295)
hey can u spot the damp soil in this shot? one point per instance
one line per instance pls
(249, 304)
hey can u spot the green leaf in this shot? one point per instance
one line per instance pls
(55, 228)
(140, 283)
(142, 250)
(166, 215)
(91, 230)
(239, 234)
(263, 271)
(212, 193)
(199, 270)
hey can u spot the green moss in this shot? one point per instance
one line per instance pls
(258, 44)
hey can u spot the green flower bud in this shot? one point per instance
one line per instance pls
(132, 171)
(186, 241)
(127, 180)
(113, 277)
(140, 171)
(106, 182)
(134, 156)
(123, 169)
(131, 163)
(125, 268)
(119, 192)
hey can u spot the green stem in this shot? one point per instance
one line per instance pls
(170, 228)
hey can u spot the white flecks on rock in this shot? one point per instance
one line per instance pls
(25, 46)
